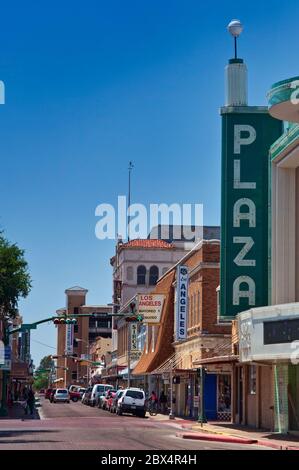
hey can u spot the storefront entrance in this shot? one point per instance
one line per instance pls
(293, 397)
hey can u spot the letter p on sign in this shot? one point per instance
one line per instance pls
(247, 140)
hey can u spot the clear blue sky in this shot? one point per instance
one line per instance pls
(91, 85)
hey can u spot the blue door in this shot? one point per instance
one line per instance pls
(210, 397)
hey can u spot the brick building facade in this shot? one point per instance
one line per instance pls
(72, 365)
(163, 357)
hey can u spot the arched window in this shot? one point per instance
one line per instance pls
(153, 275)
(129, 273)
(141, 275)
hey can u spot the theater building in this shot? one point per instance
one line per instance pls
(269, 336)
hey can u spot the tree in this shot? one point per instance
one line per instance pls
(41, 381)
(15, 281)
(43, 372)
(46, 363)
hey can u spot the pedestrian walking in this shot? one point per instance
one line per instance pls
(163, 402)
(31, 401)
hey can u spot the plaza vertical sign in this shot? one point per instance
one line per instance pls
(181, 314)
(247, 134)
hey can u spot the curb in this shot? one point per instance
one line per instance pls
(215, 438)
(205, 436)
(277, 446)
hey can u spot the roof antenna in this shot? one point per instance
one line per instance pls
(130, 168)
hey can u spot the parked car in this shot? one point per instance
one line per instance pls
(132, 401)
(75, 395)
(82, 391)
(48, 393)
(86, 396)
(61, 395)
(115, 399)
(98, 391)
(42, 391)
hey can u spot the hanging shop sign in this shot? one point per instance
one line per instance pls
(69, 338)
(181, 312)
(5, 357)
(247, 134)
(196, 401)
(135, 355)
(117, 287)
(150, 307)
(134, 337)
(25, 345)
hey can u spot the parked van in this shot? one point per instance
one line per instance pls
(98, 391)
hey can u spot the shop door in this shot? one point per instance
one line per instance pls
(210, 395)
(240, 394)
(293, 397)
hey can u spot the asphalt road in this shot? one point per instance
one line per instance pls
(78, 427)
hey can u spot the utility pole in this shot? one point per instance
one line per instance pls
(129, 354)
(201, 372)
(171, 413)
(131, 166)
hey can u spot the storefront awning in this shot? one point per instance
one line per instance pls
(125, 371)
(172, 364)
(217, 360)
(19, 370)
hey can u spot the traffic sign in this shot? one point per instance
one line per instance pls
(28, 326)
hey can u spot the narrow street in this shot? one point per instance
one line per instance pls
(78, 427)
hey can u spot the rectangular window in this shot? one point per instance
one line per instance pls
(218, 302)
(74, 375)
(76, 310)
(76, 328)
(192, 310)
(252, 380)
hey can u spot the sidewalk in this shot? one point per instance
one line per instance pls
(227, 432)
(230, 433)
(17, 412)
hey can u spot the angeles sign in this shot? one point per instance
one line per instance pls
(150, 307)
(181, 303)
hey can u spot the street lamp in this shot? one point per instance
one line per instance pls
(235, 28)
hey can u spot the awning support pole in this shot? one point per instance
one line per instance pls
(171, 414)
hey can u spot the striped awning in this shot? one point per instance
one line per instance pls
(172, 363)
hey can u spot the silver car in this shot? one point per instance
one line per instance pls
(61, 395)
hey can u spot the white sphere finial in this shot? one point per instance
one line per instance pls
(235, 28)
